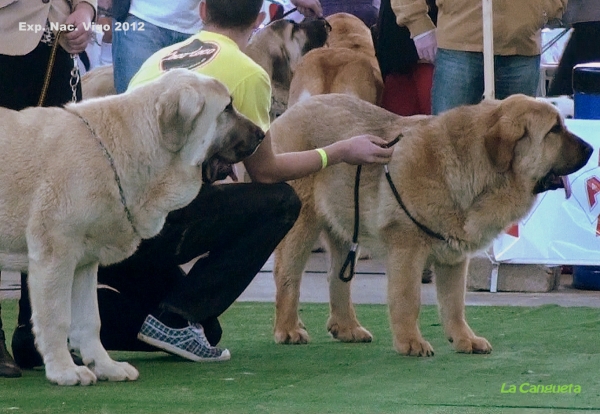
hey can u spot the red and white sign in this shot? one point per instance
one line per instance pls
(560, 230)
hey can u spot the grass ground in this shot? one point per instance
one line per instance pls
(548, 346)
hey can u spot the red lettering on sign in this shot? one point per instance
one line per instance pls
(592, 186)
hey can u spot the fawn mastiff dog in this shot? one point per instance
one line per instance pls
(348, 65)
(82, 185)
(462, 177)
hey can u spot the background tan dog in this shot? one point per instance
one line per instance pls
(279, 47)
(81, 186)
(465, 175)
(98, 82)
(348, 65)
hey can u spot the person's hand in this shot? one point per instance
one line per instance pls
(426, 44)
(365, 149)
(309, 8)
(81, 19)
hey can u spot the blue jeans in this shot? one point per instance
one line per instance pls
(132, 47)
(458, 78)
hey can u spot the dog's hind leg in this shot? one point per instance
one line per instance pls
(85, 329)
(290, 259)
(50, 286)
(342, 323)
(451, 285)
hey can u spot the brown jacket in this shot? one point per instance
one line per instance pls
(517, 23)
(22, 22)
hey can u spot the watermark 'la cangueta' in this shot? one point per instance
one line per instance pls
(527, 388)
(99, 28)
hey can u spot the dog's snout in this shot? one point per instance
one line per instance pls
(584, 149)
(576, 153)
(587, 151)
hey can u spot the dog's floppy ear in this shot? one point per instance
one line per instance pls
(282, 72)
(177, 110)
(502, 137)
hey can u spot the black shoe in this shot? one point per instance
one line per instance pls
(8, 367)
(23, 348)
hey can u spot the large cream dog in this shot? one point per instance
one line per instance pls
(81, 186)
(278, 48)
(464, 176)
(348, 65)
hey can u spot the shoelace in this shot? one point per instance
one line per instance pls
(199, 330)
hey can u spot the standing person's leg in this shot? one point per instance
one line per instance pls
(457, 80)
(8, 367)
(22, 344)
(517, 74)
(583, 47)
(562, 82)
(131, 48)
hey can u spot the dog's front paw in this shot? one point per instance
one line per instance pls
(472, 345)
(349, 333)
(292, 336)
(72, 375)
(115, 371)
(414, 347)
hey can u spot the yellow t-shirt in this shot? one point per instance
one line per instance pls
(218, 56)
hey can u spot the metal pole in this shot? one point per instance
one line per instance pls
(488, 50)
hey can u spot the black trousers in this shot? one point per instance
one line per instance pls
(583, 47)
(22, 77)
(21, 81)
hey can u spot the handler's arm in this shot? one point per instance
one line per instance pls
(413, 15)
(266, 167)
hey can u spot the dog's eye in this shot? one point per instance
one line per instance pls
(556, 129)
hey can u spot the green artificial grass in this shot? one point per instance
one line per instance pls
(548, 346)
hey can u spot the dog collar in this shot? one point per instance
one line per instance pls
(113, 167)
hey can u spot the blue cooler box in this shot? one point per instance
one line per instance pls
(586, 96)
(586, 277)
(586, 90)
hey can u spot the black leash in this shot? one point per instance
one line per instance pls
(424, 228)
(350, 261)
(351, 258)
(290, 11)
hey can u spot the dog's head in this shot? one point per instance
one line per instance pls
(348, 31)
(285, 42)
(529, 136)
(197, 120)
